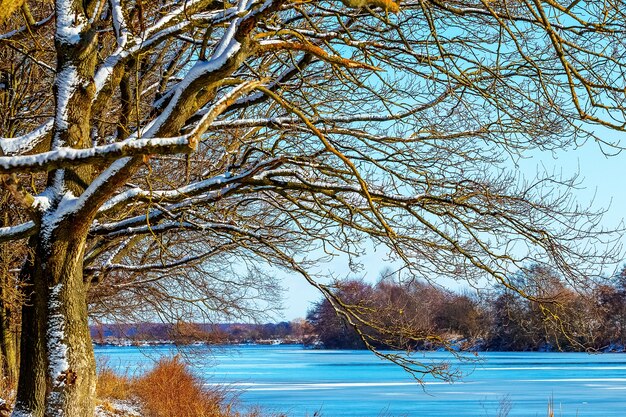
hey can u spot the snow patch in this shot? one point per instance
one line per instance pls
(66, 205)
(175, 13)
(69, 23)
(117, 408)
(66, 83)
(16, 230)
(112, 170)
(19, 412)
(119, 24)
(41, 203)
(57, 349)
(71, 154)
(25, 143)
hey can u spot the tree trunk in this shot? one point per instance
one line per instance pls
(31, 387)
(9, 303)
(8, 336)
(57, 375)
(8, 330)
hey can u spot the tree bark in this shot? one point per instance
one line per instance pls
(58, 367)
(31, 388)
(8, 335)
(8, 311)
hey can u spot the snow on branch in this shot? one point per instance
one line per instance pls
(24, 29)
(223, 184)
(64, 157)
(160, 266)
(181, 11)
(70, 23)
(26, 143)
(151, 38)
(17, 232)
(294, 179)
(69, 30)
(119, 23)
(185, 225)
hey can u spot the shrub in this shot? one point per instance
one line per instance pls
(170, 390)
(113, 386)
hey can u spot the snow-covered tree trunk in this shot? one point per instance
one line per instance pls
(58, 377)
(60, 380)
(71, 367)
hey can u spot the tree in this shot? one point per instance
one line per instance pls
(10, 299)
(185, 137)
(332, 330)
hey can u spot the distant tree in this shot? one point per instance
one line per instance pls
(463, 315)
(185, 145)
(507, 331)
(606, 311)
(398, 315)
(546, 315)
(186, 333)
(333, 330)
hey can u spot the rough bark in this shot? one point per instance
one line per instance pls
(57, 359)
(31, 388)
(72, 367)
(8, 316)
(8, 335)
(58, 366)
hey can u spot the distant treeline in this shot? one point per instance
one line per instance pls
(553, 315)
(187, 333)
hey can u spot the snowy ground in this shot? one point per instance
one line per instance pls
(117, 408)
(108, 408)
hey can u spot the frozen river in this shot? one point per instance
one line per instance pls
(355, 383)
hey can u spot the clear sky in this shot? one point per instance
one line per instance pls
(603, 182)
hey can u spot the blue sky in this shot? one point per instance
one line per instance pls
(602, 184)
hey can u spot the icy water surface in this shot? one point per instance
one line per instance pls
(334, 383)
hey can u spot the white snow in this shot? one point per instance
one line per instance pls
(60, 154)
(153, 35)
(69, 23)
(41, 203)
(120, 408)
(66, 83)
(182, 10)
(58, 186)
(16, 230)
(25, 143)
(106, 69)
(57, 349)
(113, 169)
(66, 205)
(9, 35)
(200, 69)
(192, 189)
(119, 24)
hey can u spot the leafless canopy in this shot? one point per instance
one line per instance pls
(197, 135)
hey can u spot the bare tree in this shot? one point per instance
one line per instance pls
(181, 137)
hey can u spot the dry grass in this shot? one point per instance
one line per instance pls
(113, 386)
(168, 390)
